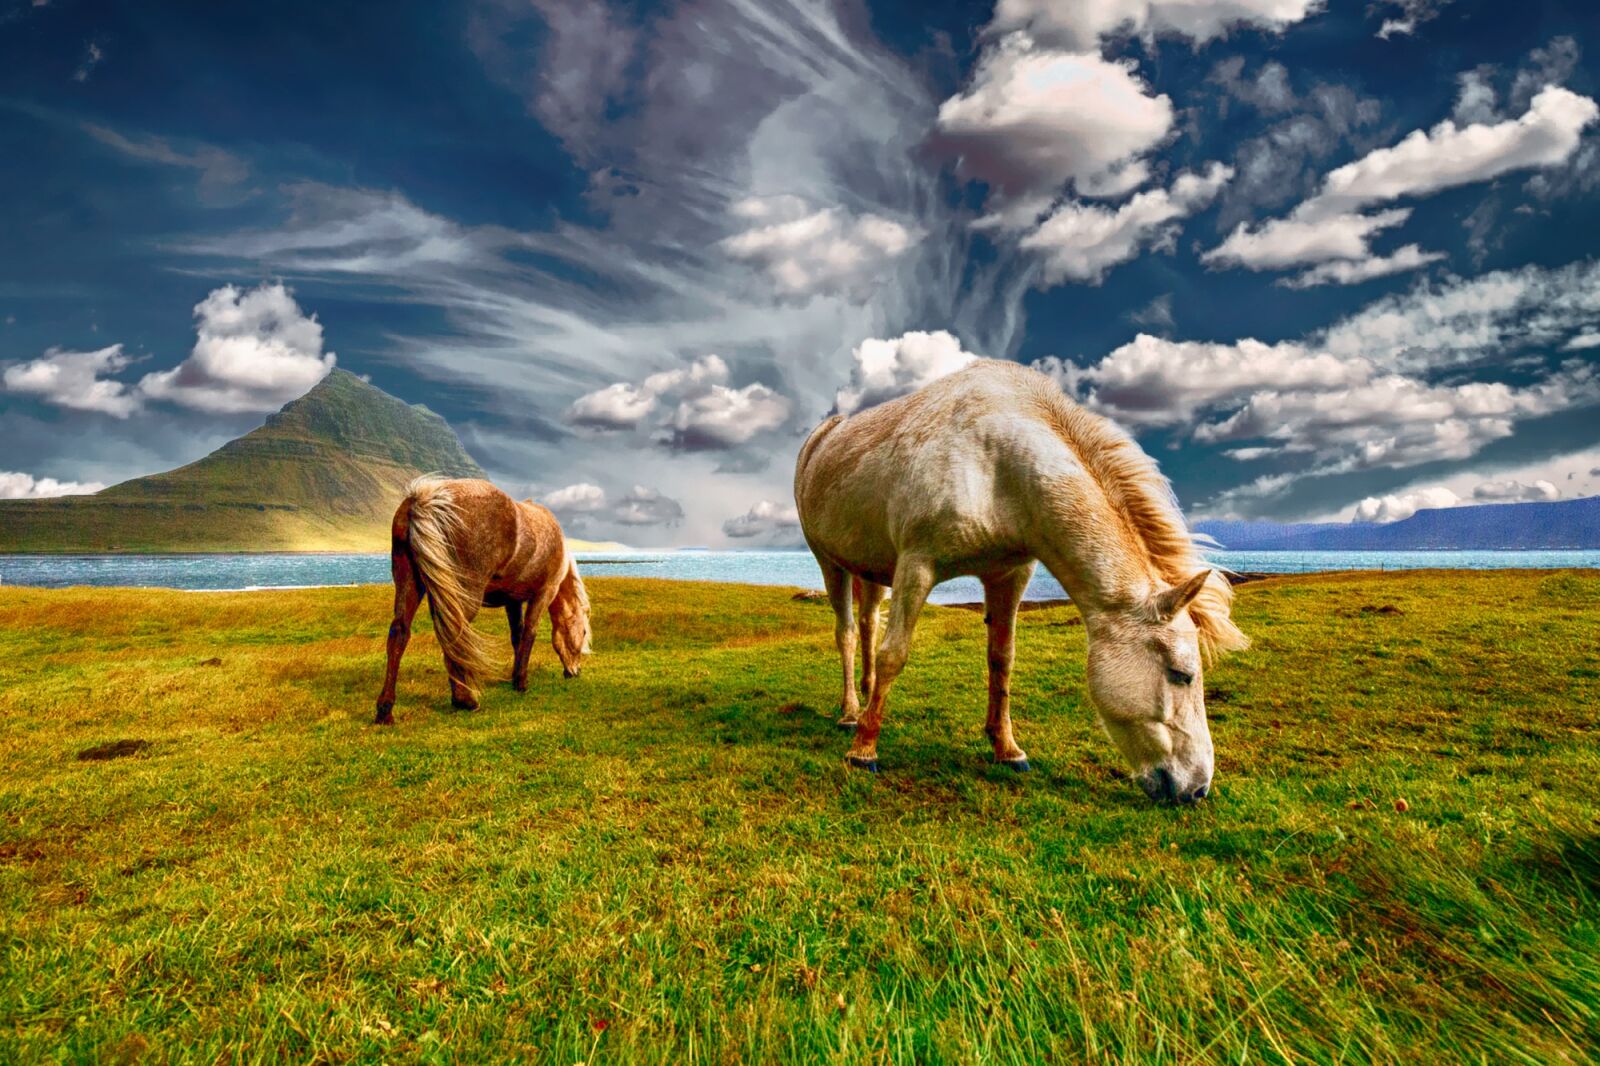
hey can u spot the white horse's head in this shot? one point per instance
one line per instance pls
(1145, 681)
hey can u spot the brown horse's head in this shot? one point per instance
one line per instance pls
(569, 621)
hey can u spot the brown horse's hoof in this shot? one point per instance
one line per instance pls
(463, 705)
(869, 765)
(385, 714)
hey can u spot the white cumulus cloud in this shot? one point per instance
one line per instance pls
(618, 406)
(1396, 508)
(1354, 271)
(19, 486)
(805, 252)
(584, 503)
(1035, 118)
(1513, 491)
(255, 350)
(1332, 225)
(1081, 242)
(1367, 392)
(641, 506)
(692, 408)
(767, 517)
(582, 497)
(885, 369)
(74, 380)
(1081, 23)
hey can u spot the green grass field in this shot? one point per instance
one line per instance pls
(665, 860)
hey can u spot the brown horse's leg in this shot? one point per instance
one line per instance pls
(514, 620)
(407, 596)
(838, 584)
(529, 633)
(869, 595)
(913, 580)
(1001, 595)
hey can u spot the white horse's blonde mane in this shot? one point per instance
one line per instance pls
(1146, 513)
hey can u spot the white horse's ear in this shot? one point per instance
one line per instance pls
(1176, 598)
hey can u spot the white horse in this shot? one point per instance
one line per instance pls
(983, 472)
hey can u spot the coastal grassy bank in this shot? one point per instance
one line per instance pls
(206, 852)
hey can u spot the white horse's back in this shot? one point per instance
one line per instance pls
(943, 472)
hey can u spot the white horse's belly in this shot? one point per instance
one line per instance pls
(944, 512)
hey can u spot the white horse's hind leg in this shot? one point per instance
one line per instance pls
(872, 595)
(913, 580)
(837, 583)
(1001, 596)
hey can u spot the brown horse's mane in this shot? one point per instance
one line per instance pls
(1147, 510)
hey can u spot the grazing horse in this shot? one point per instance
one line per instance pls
(465, 544)
(983, 472)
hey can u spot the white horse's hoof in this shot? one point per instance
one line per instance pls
(848, 722)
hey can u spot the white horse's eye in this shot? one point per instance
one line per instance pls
(1178, 677)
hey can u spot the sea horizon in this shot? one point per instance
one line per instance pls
(785, 567)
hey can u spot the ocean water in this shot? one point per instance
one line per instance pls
(792, 568)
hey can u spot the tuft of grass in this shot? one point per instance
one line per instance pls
(665, 859)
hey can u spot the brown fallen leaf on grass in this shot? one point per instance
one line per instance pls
(838, 1001)
(1402, 806)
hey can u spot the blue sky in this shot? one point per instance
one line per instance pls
(1324, 259)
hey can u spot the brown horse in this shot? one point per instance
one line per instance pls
(465, 544)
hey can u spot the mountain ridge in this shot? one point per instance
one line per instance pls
(324, 473)
(1561, 524)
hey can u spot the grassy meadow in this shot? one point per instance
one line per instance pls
(666, 860)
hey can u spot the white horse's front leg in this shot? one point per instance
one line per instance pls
(837, 583)
(913, 580)
(872, 595)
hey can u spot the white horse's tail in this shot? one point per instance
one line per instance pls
(432, 532)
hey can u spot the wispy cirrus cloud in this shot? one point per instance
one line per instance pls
(777, 237)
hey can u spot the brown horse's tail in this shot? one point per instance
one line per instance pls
(434, 529)
(569, 618)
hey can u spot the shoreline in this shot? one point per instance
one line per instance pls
(1242, 578)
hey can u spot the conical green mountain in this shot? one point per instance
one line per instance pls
(323, 474)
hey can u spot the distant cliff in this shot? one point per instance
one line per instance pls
(1489, 527)
(323, 474)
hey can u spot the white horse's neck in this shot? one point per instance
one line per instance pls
(1089, 549)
